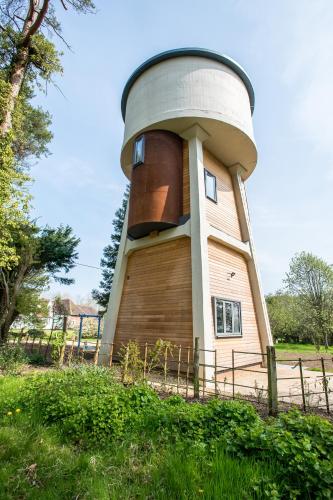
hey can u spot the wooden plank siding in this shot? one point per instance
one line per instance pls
(186, 180)
(223, 214)
(157, 295)
(222, 262)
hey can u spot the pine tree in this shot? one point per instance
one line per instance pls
(110, 253)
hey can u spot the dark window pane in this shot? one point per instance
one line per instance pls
(228, 317)
(219, 317)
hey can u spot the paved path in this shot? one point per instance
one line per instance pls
(289, 384)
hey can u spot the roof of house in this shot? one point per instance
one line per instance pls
(71, 309)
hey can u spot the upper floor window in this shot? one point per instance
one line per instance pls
(139, 151)
(228, 318)
(210, 186)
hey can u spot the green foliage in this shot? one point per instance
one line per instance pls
(310, 279)
(58, 344)
(36, 358)
(285, 317)
(131, 362)
(14, 203)
(43, 253)
(110, 253)
(87, 403)
(287, 457)
(12, 358)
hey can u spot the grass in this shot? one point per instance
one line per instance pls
(35, 463)
(301, 348)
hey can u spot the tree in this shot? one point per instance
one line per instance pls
(27, 59)
(310, 279)
(110, 253)
(43, 254)
(30, 55)
(284, 316)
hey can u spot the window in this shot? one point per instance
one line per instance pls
(210, 186)
(139, 151)
(228, 318)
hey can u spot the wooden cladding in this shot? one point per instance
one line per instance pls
(157, 295)
(223, 214)
(156, 196)
(222, 263)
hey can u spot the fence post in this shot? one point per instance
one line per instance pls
(272, 381)
(325, 384)
(233, 373)
(302, 383)
(215, 374)
(196, 383)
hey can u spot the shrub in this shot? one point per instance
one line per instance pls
(36, 358)
(12, 358)
(87, 403)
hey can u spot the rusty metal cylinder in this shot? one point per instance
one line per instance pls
(156, 184)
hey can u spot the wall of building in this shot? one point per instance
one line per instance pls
(157, 295)
(223, 214)
(222, 262)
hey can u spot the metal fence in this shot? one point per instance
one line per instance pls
(270, 383)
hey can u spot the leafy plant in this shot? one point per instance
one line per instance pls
(12, 358)
(131, 362)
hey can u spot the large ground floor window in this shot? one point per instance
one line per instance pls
(228, 317)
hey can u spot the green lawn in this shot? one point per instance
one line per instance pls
(301, 348)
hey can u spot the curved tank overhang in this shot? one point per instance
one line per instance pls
(175, 92)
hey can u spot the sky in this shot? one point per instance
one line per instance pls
(286, 48)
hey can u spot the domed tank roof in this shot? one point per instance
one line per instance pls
(187, 51)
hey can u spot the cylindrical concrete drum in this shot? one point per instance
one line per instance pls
(156, 188)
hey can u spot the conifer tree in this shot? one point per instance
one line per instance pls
(110, 253)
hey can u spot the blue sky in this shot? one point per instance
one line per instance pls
(286, 48)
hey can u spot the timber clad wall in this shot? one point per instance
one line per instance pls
(223, 214)
(186, 180)
(157, 296)
(223, 261)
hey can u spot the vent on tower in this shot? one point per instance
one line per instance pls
(156, 183)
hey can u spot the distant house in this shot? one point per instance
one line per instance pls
(67, 307)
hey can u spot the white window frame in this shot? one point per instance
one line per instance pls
(225, 333)
(138, 161)
(209, 174)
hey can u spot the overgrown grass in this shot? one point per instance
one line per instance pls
(37, 464)
(78, 433)
(301, 348)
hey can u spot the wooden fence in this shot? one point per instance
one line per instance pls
(178, 368)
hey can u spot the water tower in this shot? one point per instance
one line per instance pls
(186, 266)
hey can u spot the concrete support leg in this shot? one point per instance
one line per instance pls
(201, 302)
(111, 315)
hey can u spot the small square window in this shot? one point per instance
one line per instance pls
(210, 186)
(139, 151)
(228, 318)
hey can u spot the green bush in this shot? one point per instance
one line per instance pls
(86, 402)
(12, 358)
(36, 358)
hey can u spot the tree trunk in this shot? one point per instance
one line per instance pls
(15, 79)
(7, 323)
(32, 23)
